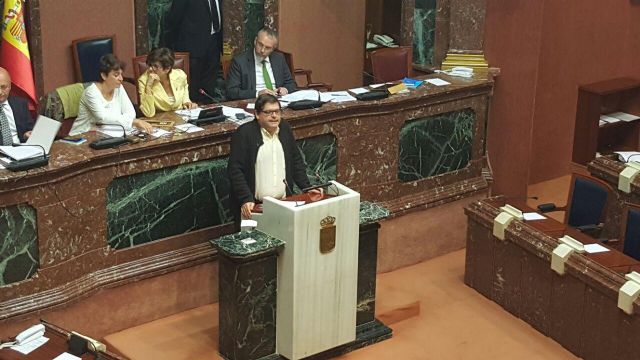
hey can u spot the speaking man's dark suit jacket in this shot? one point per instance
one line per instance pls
(21, 115)
(189, 27)
(241, 80)
(241, 167)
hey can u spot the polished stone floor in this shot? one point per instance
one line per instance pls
(453, 322)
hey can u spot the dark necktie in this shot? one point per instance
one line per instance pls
(5, 130)
(214, 15)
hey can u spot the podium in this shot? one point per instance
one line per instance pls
(317, 271)
(303, 284)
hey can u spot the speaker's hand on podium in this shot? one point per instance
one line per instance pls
(246, 209)
(316, 194)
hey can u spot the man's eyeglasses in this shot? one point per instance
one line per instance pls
(271, 112)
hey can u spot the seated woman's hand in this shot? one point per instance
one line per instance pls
(189, 105)
(143, 126)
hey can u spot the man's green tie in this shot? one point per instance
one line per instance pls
(265, 75)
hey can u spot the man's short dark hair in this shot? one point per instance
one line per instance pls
(163, 56)
(265, 99)
(269, 32)
(109, 63)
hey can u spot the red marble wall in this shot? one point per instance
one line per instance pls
(546, 49)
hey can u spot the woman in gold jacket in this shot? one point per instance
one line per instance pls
(161, 87)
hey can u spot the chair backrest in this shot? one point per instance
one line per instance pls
(391, 64)
(631, 231)
(86, 54)
(587, 201)
(181, 62)
(62, 104)
(288, 57)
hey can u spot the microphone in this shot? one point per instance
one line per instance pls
(287, 185)
(110, 142)
(325, 185)
(201, 91)
(28, 163)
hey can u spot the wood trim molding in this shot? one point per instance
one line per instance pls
(114, 276)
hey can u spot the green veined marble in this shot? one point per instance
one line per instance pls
(156, 204)
(436, 145)
(19, 256)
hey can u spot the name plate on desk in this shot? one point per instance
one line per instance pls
(627, 175)
(500, 223)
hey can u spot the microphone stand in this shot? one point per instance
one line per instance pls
(29, 163)
(110, 142)
(201, 91)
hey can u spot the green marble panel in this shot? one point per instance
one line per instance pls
(424, 30)
(319, 153)
(156, 204)
(233, 246)
(19, 256)
(157, 11)
(436, 145)
(253, 21)
(371, 212)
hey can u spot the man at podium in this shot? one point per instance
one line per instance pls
(264, 160)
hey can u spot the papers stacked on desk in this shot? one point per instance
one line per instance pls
(113, 130)
(300, 95)
(21, 152)
(232, 115)
(189, 114)
(626, 156)
(616, 117)
(336, 97)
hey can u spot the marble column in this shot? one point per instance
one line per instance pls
(466, 34)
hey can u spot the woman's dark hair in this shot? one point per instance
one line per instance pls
(109, 63)
(163, 56)
(264, 99)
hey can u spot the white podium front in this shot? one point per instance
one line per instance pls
(317, 271)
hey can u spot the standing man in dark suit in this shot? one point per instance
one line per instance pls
(264, 160)
(195, 26)
(260, 71)
(15, 120)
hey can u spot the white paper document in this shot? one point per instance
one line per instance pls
(336, 97)
(251, 106)
(44, 132)
(232, 112)
(189, 113)
(66, 356)
(359, 90)
(625, 156)
(623, 116)
(248, 241)
(533, 216)
(21, 152)
(30, 346)
(438, 82)
(608, 119)
(188, 128)
(594, 248)
(112, 130)
(157, 132)
(301, 95)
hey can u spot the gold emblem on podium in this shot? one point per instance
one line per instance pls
(327, 234)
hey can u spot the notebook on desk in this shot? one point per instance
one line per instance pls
(42, 136)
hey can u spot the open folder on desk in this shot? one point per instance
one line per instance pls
(42, 136)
